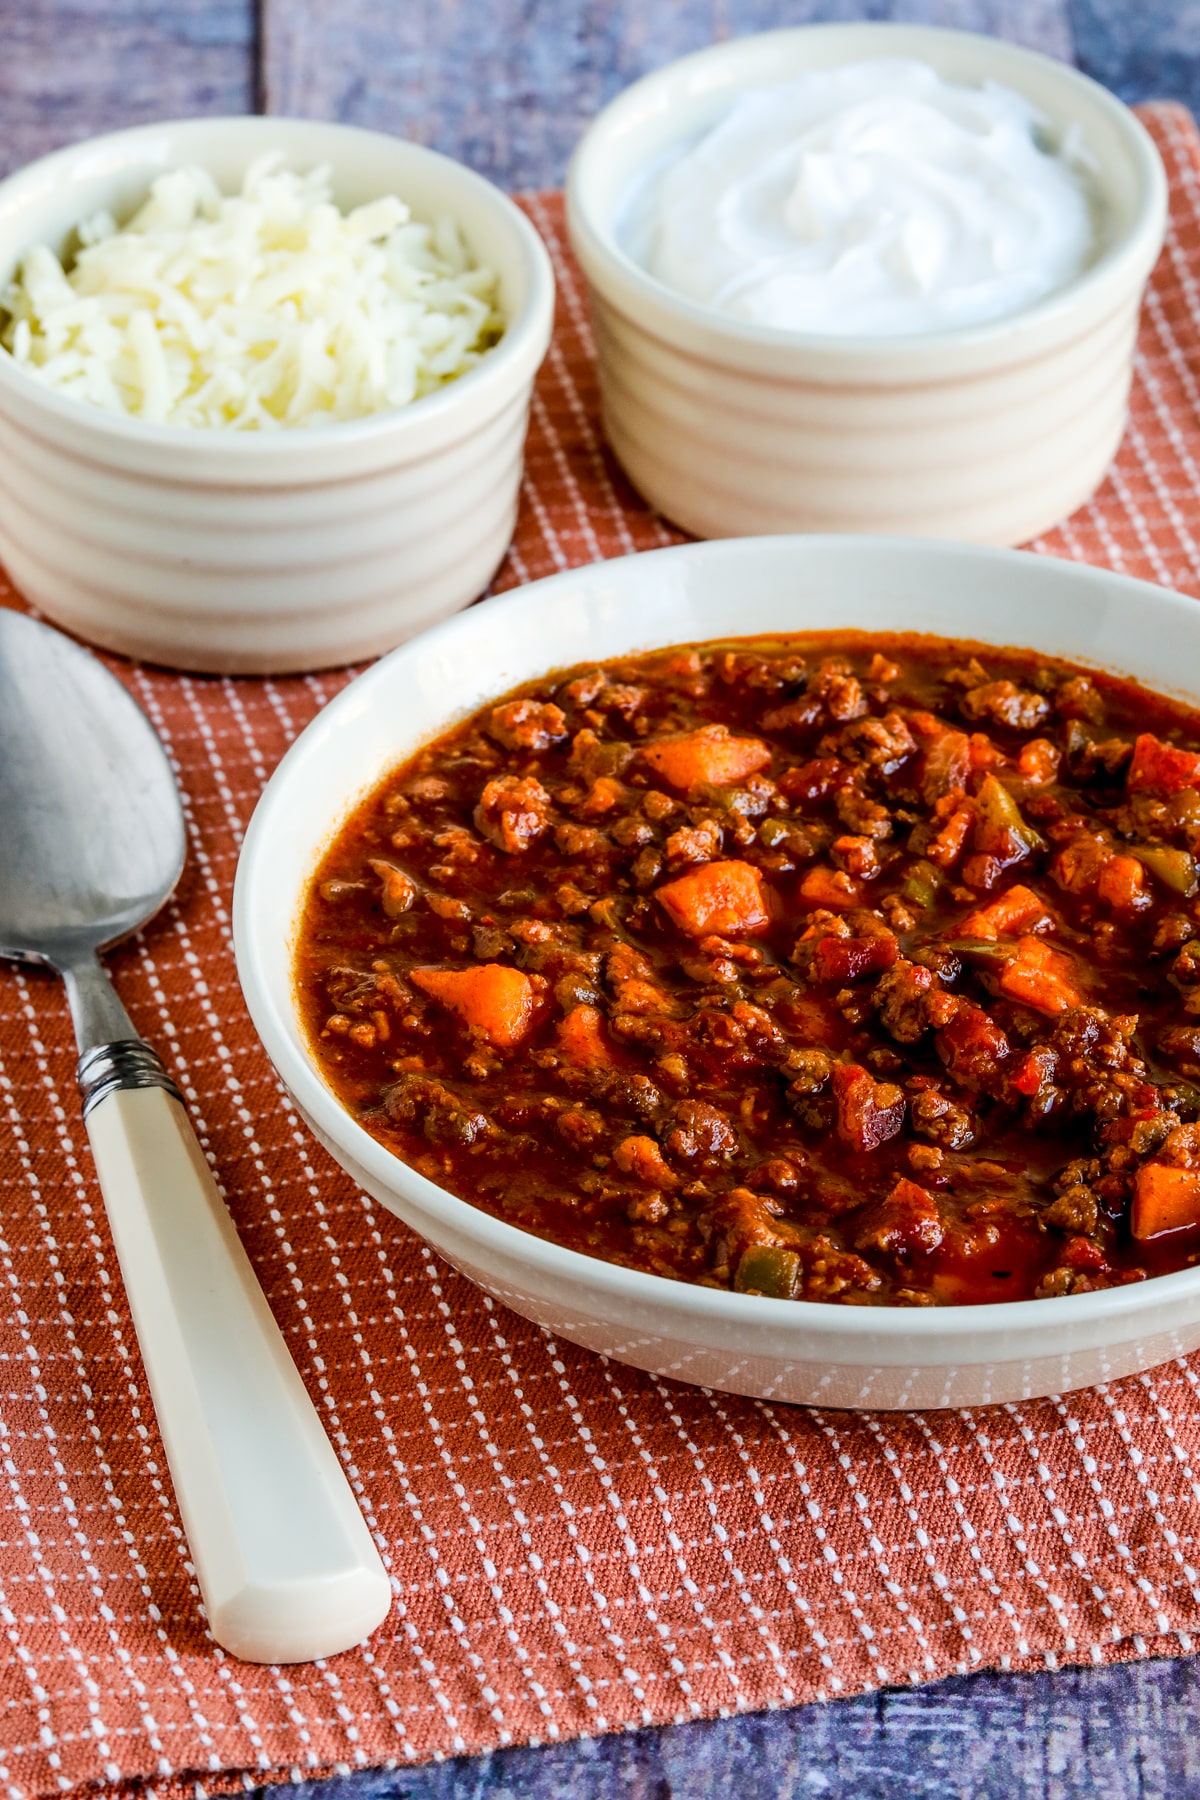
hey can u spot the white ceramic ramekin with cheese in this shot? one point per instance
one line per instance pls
(262, 553)
(988, 434)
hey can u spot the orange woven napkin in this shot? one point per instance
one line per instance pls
(574, 1546)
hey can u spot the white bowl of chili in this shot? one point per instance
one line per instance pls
(259, 551)
(798, 1350)
(985, 432)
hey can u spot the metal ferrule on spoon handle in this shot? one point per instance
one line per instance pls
(115, 1068)
(112, 1056)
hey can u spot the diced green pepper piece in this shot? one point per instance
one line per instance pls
(1175, 868)
(772, 832)
(984, 952)
(921, 884)
(1185, 807)
(1000, 828)
(1186, 1098)
(744, 800)
(766, 1269)
(607, 912)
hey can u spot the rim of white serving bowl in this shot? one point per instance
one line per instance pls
(657, 306)
(517, 354)
(275, 1020)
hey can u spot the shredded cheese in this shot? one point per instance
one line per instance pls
(255, 311)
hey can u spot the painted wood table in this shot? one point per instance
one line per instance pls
(507, 86)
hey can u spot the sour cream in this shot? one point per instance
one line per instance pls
(875, 198)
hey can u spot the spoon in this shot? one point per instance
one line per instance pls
(93, 843)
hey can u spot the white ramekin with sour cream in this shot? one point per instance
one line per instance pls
(247, 551)
(988, 433)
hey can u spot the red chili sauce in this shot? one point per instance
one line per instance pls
(845, 967)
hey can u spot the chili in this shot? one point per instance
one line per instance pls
(846, 968)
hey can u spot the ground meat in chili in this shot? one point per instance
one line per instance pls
(848, 968)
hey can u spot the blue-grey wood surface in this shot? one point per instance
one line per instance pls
(1094, 1734)
(507, 85)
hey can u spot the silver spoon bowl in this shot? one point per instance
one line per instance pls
(93, 830)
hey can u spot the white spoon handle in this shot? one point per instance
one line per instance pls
(285, 1562)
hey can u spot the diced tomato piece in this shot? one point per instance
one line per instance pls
(907, 1222)
(814, 780)
(972, 1045)
(1161, 768)
(1081, 1253)
(1018, 909)
(869, 1111)
(490, 999)
(717, 897)
(709, 757)
(1122, 884)
(847, 959)
(1041, 977)
(1165, 1199)
(581, 1036)
(833, 888)
(1033, 1071)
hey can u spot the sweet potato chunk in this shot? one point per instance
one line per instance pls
(951, 840)
(1164, 1199)
(1122, 884)
(869, 1112)
(1041, 977)
(492, 1001)
(602, 796)
(642, 1158)
(1159, 768)
(719, 897)
(1017, 910)
(581, 1036)
(1039, 761)
(831, 888)
(709, 757)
